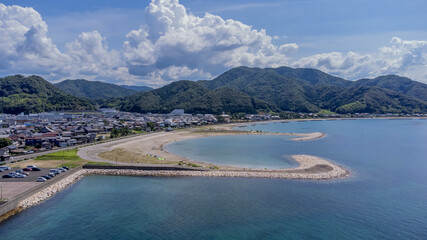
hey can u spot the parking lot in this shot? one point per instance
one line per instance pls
(13, 189)
(32, 177)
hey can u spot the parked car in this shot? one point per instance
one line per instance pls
(22, 172)
(47, 177)
(36, 169)
(66, 168)
(2, 169)
(8, 176)
(5, 167)
(17, 175)
(56, 171)
(41, 179)
(31, 166)
(51, 174)
(27, 169)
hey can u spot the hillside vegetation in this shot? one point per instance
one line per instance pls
(239, 90)
(310, 90)
(93, 89)
(34, 94)
(194, 98)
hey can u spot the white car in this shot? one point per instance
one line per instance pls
(32, 166)
(55, 171)
(5, 167)
(41, 179)
(17, 175)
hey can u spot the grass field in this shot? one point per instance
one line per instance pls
(69, 155)
(67, 158)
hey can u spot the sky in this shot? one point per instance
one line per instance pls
(156, 42)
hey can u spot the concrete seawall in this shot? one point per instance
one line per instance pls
(145, 168)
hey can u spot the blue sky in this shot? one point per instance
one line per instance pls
(331, 35)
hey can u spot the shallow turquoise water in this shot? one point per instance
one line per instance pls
(240, 151)
(386, 197)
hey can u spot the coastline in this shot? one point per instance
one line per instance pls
(310, 167)
(306, 162)
(155, 145)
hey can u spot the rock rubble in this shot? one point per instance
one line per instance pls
(304, 160)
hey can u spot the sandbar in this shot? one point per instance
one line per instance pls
(310, 167)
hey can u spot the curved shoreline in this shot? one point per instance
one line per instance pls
(310, 167)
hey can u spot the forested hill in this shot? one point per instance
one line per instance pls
(137, 88)
(310, 90)
(194, 98)
(34, 94)
(241, 89)
(398, 84)
(93, 89)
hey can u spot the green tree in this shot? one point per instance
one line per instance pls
(151, 125)
(5, 142)
(114, 133)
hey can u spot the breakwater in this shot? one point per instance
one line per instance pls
(283, 174)
(311, 168)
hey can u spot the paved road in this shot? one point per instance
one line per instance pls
(90, 153)
(33, 155)
(12, 189)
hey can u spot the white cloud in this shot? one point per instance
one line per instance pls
(174, 39)
(23, 40)
(90, 57)
(402, 57)
(174, 44)
(26, 48)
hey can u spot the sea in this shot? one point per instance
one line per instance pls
(385, 196)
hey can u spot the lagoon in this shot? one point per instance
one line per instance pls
(384, 198)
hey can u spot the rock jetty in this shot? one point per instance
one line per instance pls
(333, 171)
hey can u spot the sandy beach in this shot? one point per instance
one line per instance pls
(311, 167)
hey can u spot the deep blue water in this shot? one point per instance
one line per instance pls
(385, 198)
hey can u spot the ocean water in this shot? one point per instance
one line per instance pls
(385, 198)
(256, 152)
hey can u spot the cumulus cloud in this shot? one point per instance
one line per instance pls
(403, 57)
(23, 40)
(26, 48)
(174, 44)
(89, 56)
(178, 44)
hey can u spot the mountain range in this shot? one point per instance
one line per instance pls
(33, 94)
(252, 90)
(97, 90)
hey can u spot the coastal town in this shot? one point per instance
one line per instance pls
(27, 134)
(31, 133)
(96, 141)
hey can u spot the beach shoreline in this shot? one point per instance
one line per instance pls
(310, 167)
(154, 145)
